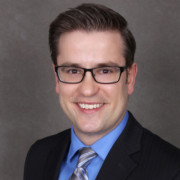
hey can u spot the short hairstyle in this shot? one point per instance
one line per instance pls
(91, 17)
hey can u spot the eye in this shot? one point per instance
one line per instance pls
(71, 70)
(106, 70)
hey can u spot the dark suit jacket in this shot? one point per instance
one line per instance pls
(138, 154)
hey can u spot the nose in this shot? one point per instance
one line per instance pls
(88, 87)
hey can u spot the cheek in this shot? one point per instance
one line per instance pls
(66, 95)
(63, 96)
(119, 95)
(66, 90)
(64, 103)
(116, 91)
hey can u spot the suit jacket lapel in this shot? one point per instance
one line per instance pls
(56, 157)
(119, 163)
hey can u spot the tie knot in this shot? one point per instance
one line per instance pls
(85, 156)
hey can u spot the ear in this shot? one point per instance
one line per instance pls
(132, 72)
(56, 80)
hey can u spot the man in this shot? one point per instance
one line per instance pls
(93, 58)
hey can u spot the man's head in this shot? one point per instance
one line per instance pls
(91, 17)
(97, 104)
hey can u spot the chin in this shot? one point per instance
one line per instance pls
(89, 129)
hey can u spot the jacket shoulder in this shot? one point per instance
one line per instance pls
(52, 141)
(37, 156)
(156, 158)
(154, 144)
(161, 149)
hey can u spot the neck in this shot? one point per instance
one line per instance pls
(90, 138)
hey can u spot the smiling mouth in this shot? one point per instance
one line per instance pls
(89, 106)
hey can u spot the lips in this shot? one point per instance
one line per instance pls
(90, 106)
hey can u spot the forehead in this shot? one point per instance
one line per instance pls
(91, 47)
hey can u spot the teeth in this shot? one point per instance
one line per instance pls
(90, 106)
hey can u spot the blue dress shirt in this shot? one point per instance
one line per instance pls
(101, 147)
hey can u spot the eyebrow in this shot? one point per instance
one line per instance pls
(107, 64)
(70, 64)
(97, 65)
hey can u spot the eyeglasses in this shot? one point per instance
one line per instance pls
(103, 75)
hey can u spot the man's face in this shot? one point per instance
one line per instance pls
(89, 50)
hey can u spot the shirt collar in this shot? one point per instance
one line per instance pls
(111, 137)
(76, 144)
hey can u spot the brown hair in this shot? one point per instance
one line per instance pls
(91, 17)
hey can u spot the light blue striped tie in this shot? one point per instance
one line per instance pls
(85, 156)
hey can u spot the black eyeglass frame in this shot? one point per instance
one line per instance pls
(122, 68)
